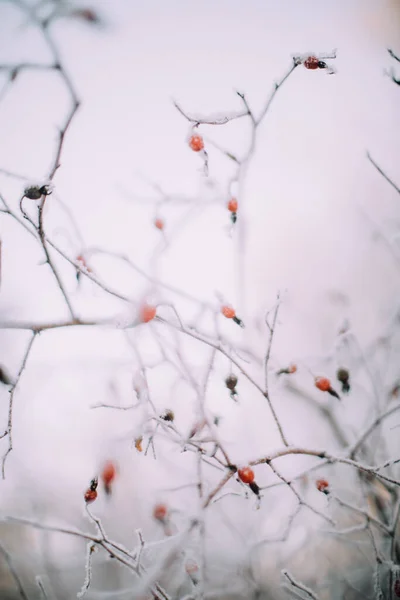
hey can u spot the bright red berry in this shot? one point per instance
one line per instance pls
(159, 224)
(196, 143)
(160, 512)
(233, 205)
(323, 384)
(147, 313)
(246, 475)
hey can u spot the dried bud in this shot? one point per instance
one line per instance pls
(343, 376)
(254, 488)
(35, 192)
(138, 444)
(168, 415)
(231, 382)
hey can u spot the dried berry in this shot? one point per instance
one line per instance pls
(168, 415)
(35, 192)
(231, 382)
(344, 377)
(90, 496)
(312, 62)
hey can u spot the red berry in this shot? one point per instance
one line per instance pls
(246, 475)
(196, 143)
(322, 485)
(147, 313)
(292, 368)
(109, 472)
(233, 205)
(323, 384)
(311, 62)
(159, 224)
(228, 312)
(160, 512)
(90, 496)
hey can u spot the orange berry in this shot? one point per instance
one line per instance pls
(196, 143)
(90, 496)
(322, 485)
(159, 224)
(246, 475)
(138, 444)
(233, 205)
(323, 384)
(228, 312)
(160, 512)
(147, 313)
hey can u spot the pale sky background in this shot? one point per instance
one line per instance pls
(304, 199)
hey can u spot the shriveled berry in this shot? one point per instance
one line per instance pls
(90, 496)
(138, 444)
(311, 62)
(231, 382)
(344, 377)
(168, 415)
(246, 475)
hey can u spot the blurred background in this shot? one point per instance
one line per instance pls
(318, 225)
